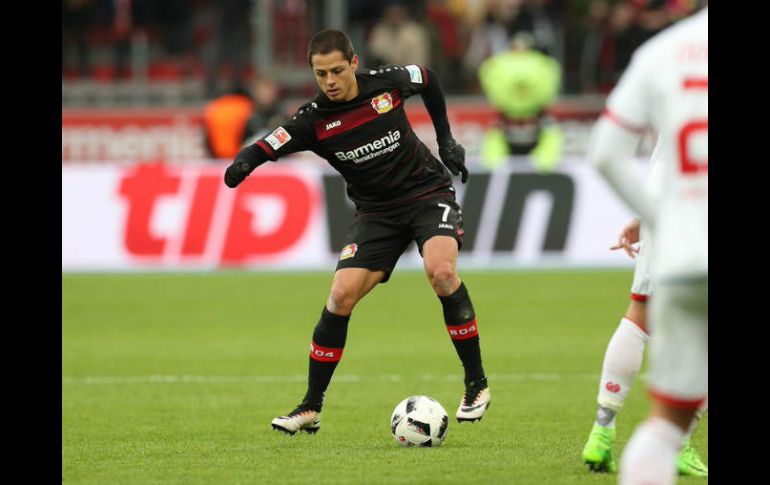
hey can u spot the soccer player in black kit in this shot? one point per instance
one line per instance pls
(402, 193)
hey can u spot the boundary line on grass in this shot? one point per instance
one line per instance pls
(233, 379)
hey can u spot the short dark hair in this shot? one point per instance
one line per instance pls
(329, 40)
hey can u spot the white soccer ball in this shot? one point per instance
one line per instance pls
(419, 421)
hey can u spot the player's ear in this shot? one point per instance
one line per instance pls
(354, 62)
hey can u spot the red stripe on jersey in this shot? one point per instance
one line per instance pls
(464, 331)
(623, 124)
(339, 123)
(676, 402)
(696, 83)
(264, 146)
(424, 76)
(324, 354)
(638, 297)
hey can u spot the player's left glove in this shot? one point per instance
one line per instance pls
(453, 156)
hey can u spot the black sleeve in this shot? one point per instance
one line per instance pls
(415, 78)
(433, 97)
(409, 80)
(295, 135)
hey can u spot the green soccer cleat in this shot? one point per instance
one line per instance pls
(597, 453)
(688, 463)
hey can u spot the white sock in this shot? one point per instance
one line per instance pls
(622, 362)
(650, 455)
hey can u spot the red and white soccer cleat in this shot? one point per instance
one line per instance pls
(301, 419)
(474, 402)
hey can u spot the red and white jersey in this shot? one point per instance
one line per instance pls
(666, 88)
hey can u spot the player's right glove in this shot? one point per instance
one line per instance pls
(453, 156)
(245, 162)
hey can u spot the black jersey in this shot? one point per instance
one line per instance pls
(368, 140)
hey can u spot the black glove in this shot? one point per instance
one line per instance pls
(236, 172)
(245, 162)
(453, 156)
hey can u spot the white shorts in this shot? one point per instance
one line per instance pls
(678, 346)
(641, 288)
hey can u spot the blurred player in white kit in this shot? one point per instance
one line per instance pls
(623, 357)
(666, 88)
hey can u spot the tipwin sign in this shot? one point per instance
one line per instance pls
(267, 216)
(295, 215)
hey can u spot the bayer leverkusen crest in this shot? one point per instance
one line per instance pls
(382, 103)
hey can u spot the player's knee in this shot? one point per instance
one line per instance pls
(443, 278)
(342, 300)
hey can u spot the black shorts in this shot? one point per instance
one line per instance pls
(376, 241)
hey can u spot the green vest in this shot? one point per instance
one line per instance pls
(520, 84)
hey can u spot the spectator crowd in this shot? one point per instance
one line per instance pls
(213, 41)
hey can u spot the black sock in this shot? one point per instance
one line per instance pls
(325, 353)
(460, 320)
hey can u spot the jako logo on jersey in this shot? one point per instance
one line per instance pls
(446, 226)
(278, 138)
(373, 149)
(612, 387)
(348, 251)
(382, 103)
(333, 124)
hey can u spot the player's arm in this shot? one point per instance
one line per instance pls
(611, 151)
(452, 154)
(616, 136)
(413, 79)
(293, 136)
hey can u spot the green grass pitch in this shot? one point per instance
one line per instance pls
(174, 378)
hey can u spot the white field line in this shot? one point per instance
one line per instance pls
(198, 379)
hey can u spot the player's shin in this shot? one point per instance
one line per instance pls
(460, 320)
(325, 353)
(622, 362)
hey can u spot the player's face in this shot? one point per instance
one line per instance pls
(335, 76)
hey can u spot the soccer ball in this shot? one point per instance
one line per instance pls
(419, 421)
